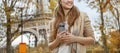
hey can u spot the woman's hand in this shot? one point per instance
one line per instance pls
(68, 38)
(57, 41)
(60, 36)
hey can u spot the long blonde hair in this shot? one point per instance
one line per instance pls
(59, 16)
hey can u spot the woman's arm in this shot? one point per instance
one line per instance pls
(84, 40)
(88, 32)
(70, 38)
(55, 43)
(88, 35)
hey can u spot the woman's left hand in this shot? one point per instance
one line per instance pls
(68, 38)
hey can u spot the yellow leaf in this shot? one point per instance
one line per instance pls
(110, 7)
(115, 38)
(52, 4)
(104, 9)
(41, 49)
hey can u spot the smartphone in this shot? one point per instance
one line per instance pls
(61, 27)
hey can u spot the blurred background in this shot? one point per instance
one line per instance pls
(27, 21)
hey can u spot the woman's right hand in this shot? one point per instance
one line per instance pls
(59, 36)
(56, 41)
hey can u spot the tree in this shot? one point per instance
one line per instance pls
(12, 14)
(115, 39)
(105, 6)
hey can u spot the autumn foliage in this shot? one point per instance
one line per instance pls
(115, 38)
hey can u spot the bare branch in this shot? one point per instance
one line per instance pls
(11, 3)
(14, 3)
(4, 2)
(117, 17)
(16, 30)
(13, 38)
(107, 2)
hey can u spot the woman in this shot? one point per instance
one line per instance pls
(79, 32)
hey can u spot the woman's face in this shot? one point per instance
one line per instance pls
(67, 4)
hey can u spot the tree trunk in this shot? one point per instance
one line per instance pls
(102, 30)
(8, 36)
